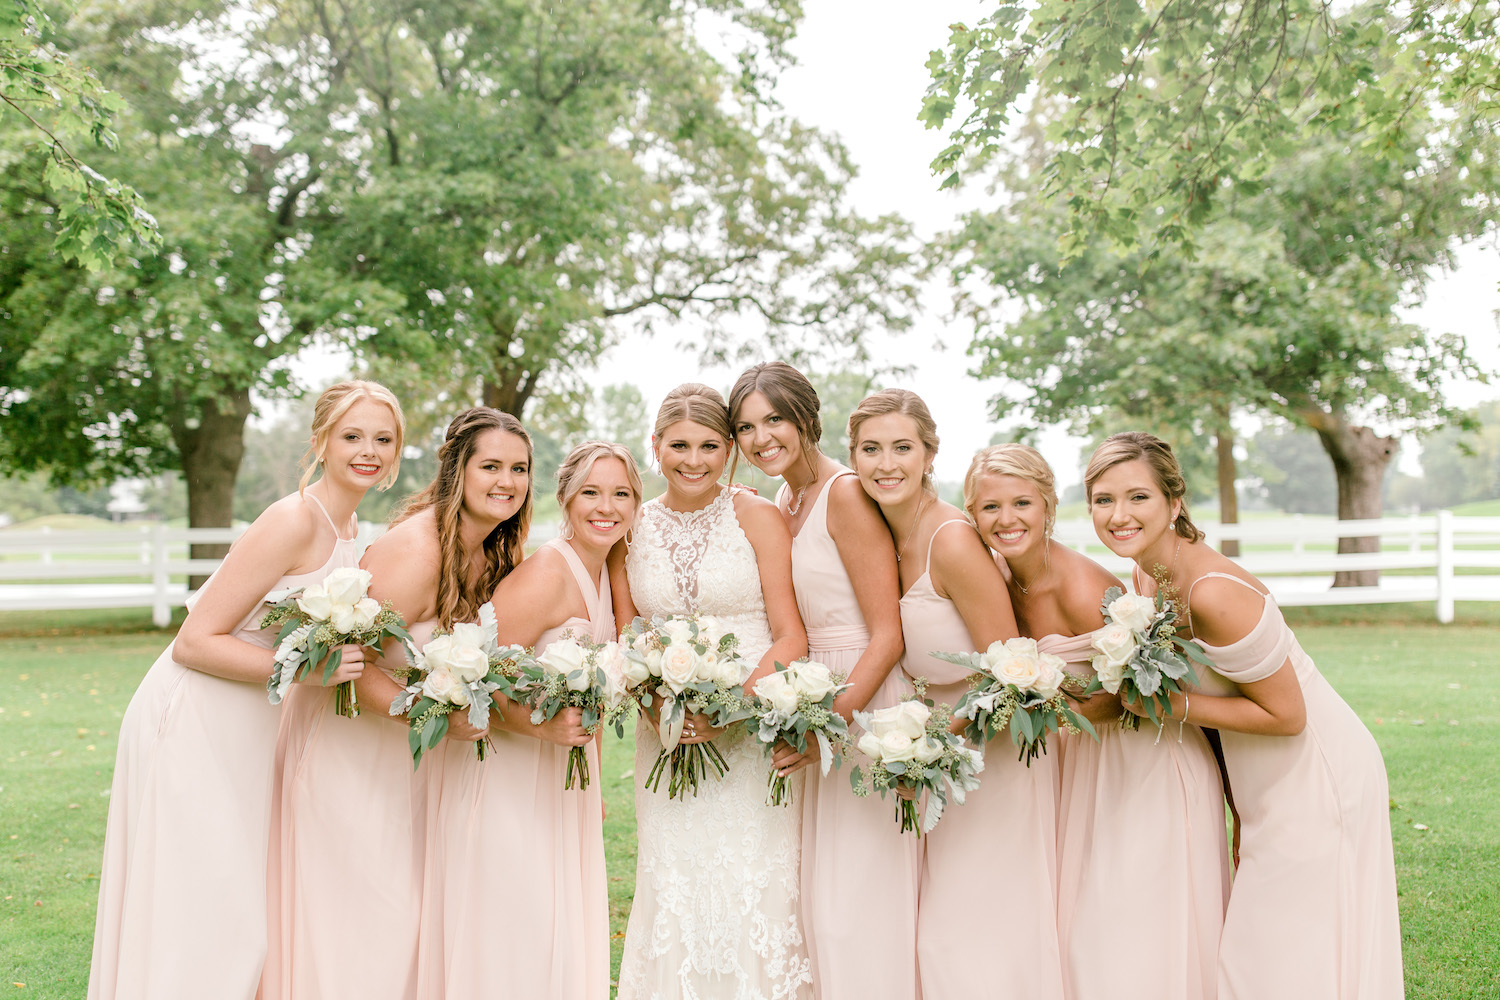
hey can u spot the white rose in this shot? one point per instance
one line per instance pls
(812, 679)
(653, 662)
(467, 663)
(912, 718)
(342, 617)
(883, 720)
(928, 750)
(563, 657)
(1020, 645)
(314, 602)
(635, 672)
(1110, 674)
(435, 653)
(642, 643)
(676, 631)
(1052, 675)
(679, 667)
(346, 585)
(1116, 642)
(365, 613)
(1133, 611)
(778, 692)
(897, 746)
(469, 634)
(710, 630)
(730, 671)
(611, 660)
(441, 686)
(869, 745)
(1021, 670)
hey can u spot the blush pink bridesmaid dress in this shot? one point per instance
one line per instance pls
(989, 881)
(1312, 911)
(1140, 844)
(516, 901)
(855, 859)
(182, 890)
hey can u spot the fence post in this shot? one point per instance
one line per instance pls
(161, 607)
(1445, 566)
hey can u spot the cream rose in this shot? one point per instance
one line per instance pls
(883, 720)
(1111, 675)
(677, 630)
(467, 663)
(710, 630)
(653, 662)
(346, 585)
(1019, 669)
(469, 634)
(635, 672)
(1116, 642)
(1021, 645)
(1133, 611)
(563, 656)
(897, 746)
(1051, 680)
(729, 671)
(778, 692)
(928, 750)
(869, 745)
(912, 718)
(435, 654)
(314, 602)
(813, 680)
(679, 666)
(441, 686)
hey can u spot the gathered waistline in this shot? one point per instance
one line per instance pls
(838, 637)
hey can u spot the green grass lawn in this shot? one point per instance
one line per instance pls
(1429, 693)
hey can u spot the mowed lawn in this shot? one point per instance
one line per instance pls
(1430, 694)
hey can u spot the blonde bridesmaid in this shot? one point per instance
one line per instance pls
(1312, 911)
(512, 857)
(182, 891)
(989, 879)
(1127, 788)
(347, 890)
(855, 860)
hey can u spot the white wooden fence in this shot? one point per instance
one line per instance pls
(1295, 556)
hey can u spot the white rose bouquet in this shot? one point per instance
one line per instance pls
(317, 621)
(571, 673)
(793, 702)
(684, 664)
(910, 747)
(1140, 652)
(1018, 687)
(458, 669)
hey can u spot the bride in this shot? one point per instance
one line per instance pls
(716, 909)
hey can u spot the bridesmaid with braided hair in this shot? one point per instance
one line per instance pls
(347, 879)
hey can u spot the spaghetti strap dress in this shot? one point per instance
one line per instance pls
(989, 876)
(182, 890)
(1127, 789)
(1312, 911)
(516, 902)
(855, 859)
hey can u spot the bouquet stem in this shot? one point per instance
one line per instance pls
(779, 791)
(578, 769)
(345, 702)
(906, 812)
(686, 765)
(479, 746)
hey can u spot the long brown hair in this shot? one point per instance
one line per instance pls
(457, 599)
(791, 395)
(1128, 446)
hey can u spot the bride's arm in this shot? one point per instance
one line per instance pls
(768, 535)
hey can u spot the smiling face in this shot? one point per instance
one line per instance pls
(692, 458)
(497, 476)
(890, 458)
(1010, 513)
(604, 507)
(1131, 512)
(766, 437)
(362, 447)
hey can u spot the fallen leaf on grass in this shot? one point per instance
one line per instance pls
(1419, 826)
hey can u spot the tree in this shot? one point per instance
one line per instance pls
(472, 199)
(46, 99)
(1462, 465)
(1293, 470)
(1163, 110)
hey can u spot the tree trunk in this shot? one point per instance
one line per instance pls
(211, 453)
(1229, 507)
(1359, 460)
(511, 394)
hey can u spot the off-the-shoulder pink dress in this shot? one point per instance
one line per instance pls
(855, 859)
(1140, 844)
(1312, 912)
(989, 880)
(516, 901)
(182, 891)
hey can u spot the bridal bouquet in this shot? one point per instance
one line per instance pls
(1139, 652)
(317, 622)
(1017, 687)
(791, 703)
(910, 747)
(573, 674)
(681, 664)
(458, 669)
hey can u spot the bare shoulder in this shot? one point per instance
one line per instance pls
(848, 499)
(412, 544)
(1081, 591)
(1225, 611)
(759, 516)
(956, 540)
(293, 519)
(545, 570)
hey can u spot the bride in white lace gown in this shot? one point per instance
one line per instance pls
(716, 912)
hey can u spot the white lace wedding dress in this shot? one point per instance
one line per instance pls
(716, 911)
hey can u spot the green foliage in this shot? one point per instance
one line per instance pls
(47, 101)
(1155, 114)
(1293, 470)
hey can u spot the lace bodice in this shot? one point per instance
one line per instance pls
(698, 562)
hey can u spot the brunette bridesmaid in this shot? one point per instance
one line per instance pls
(347, 890)
(1313, 908)
(512, 856)
(989, 879)
(1128, 788)
(854, 858)
(182, 891)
